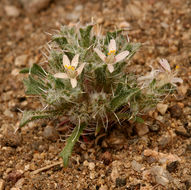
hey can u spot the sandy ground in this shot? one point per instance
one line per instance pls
(159, 159)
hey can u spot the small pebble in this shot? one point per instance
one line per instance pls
(11, 138)
(162, 108)
(188, 148)
(154, 127)
(2, 184)
(91, 166)
(120, 182)
(12, 11)
(35, 5)
(103, 187)
(8, 113)
(141, 129)
(171, 167)
(106, 157)
(160, 175)
(14, 176)
(50, 133)
(136, 166)
(164, 140)
(21, 60)
(175, 111)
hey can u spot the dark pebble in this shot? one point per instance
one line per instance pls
(171, 167)
(189, 92)
(120, 182)
(187, 184)
(188, 148)
(175, 111)
(134, 187)
(21, 99)
(11, 138)
(154, 128)
(14, 176)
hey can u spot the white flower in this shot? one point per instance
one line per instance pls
(166, 75)
(71, 71)
(146, 80)
(111, 58)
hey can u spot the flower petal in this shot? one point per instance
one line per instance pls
(65, 60)
(80, 68)
(164, 63)
(100, 54)
(75, 61)
(110, 68)
(177, 80)
(61, 75)
(121, 56)
(73, 82)
(112, 45)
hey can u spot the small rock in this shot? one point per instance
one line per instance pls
(73, 16)
(50, 133)
(20, 183)
(106, 157)
(161, 157)
(187, 184)
(188, 148)
(100, 20)
(92, 175)
(154, 127)
(115, 170)
(120, 182)
(34, 6)
(11, 138)
(189, 92)
(14, 176)
(86, 163)
(21, 60)
(136, 166)
(15, 72)
(12, 11)
(141, 129)
(8, 113)
(160, 175)
(91, 166)
(175, 111)
(135, 187)
(164, 140)
(103, 187)
(162, 108)
(2, 184)
(171, 167)
(124, 24)
(182, 90)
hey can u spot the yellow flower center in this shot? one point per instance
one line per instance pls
(177, 67)
(69, 67)
(111, 52)
(71, 71)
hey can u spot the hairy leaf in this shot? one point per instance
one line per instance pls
(34, 87)
(85, 35)
(123, 98)
(66, 152)
(34, 115)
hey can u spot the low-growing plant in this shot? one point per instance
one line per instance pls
(86, 79)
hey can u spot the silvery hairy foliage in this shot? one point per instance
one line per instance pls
(86, 80)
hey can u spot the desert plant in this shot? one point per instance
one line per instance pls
(86, 80)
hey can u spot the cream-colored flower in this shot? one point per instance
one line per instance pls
(111, 58)
(166, 75)
(71, 70)
(147, 79)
